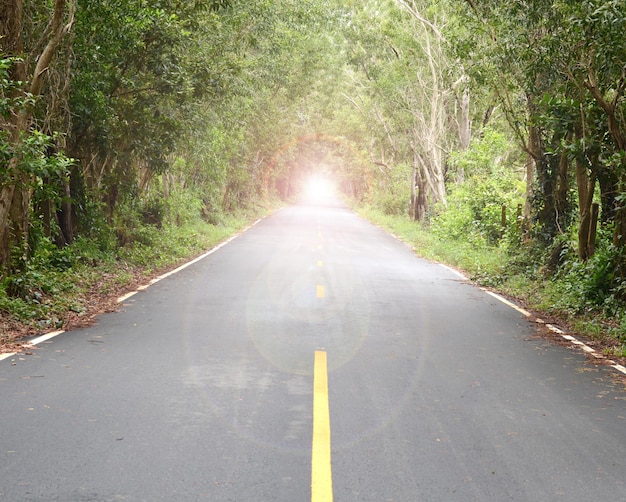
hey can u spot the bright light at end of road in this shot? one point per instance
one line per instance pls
(318, 188)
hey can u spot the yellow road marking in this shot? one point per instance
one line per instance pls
(321, 471)
(320, 291)
(320, 263)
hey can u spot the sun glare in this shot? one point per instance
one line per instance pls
(318, 188)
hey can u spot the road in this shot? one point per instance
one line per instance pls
(312, 358)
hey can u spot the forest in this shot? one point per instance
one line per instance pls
(491, 135)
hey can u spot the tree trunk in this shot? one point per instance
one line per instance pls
(465, 126)
(65, 217)
(547, 213)
(413, 192)
(562, 199)
(619, 235)
(619, 239)
(585, 183)
(607, 181)
(586, 186)
(6, 199)
(11, 42)
(420, 200)
(15, 202)
(593, 228)
(530, 177)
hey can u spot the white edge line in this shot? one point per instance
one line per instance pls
(34, 341)
(507, 302)
(52, 334)
(619, 367)
(573, 340)
(455, 272)
(552, 328)
(43, 338)
(125, 297)
(185, 265)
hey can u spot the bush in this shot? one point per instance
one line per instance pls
(183, 208)
(474, 206)
(593, 285)
(474, 209)
(152, 210)
(392, 195)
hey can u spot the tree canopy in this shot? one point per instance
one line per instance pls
(121, 113)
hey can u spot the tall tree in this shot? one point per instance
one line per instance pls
(400, 53)
(30, 67)
(566, 62)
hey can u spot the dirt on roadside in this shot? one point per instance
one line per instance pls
(100, 299)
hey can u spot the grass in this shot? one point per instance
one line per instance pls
(60, 287)
(53, 294)
(494, 267)
(474, 261)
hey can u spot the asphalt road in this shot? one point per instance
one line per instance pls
(314, 350)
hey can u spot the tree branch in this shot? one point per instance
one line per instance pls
(58, 32)
(416, 14)
(620, 88)
(472, 6)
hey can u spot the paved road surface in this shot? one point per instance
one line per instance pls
(202, 388)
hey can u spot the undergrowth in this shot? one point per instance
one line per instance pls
(583, 296)
(56, 282)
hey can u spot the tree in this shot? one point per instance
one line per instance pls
(401, 55)
(27, 73)
(565, 61)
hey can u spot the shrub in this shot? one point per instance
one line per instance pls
(474, 206)
(474, 209)
(392, 195)
(183, 208)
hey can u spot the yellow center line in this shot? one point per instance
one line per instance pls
(321, 471)
(320, 263)
(320, 291)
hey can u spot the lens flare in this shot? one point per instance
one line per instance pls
(318, 189)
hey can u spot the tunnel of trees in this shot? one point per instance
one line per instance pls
(121, 114)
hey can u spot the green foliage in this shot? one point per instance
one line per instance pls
(10, 98)
(487, 155)
(392, 192)
(32, 152)
(474, 209)
(591, 286)
(27, 296)
(183, 208)
(152, 209)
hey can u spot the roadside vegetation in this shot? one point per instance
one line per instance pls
(482, 231)
(577, 296)
(534, 148)
(65, 288)
(135, 134)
